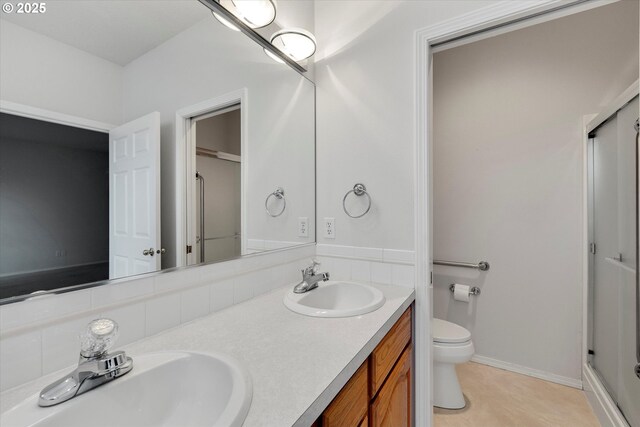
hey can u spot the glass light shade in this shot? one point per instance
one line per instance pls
(225, 22)
(254, 13)
(296, 43)
(274, 57)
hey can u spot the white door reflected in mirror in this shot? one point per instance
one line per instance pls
(134, 197)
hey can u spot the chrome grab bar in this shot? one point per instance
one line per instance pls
(201, 179)
(482, 265)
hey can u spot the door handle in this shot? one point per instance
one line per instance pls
(617, 258)
(161, 251)
(148, 252)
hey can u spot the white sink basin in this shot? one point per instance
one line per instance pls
(163, 389)
(335, 299)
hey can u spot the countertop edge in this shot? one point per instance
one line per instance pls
(322, 402)
(307, 413)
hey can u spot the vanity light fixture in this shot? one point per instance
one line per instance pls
(273, 56)
(225, 22)
(296, 43)
(254, 13)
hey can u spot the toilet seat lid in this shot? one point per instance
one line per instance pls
(448, 332)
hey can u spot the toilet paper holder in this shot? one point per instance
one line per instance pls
(473, 291)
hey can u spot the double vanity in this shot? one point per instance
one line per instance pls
(256, 363)
(169, 148)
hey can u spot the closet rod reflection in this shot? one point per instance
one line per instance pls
(221, 155)
(231, 236)
(482, 265)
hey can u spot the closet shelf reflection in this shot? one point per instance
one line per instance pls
(205, 152)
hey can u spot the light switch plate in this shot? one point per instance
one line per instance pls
(303, 226)
(329, 228)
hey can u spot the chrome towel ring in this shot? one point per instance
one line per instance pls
(358, 190)
(279, 195)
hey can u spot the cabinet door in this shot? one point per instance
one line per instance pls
(349, 407)
(392, 406)
(389, 350)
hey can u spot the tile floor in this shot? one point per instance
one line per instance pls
(499, 398)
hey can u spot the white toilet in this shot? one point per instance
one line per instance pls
(451, 345)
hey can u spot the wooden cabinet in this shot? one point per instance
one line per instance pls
(351, 405)
(385, 355)
(392, 405)
(379, 394)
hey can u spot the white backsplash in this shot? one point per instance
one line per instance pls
(40, 336)
(369, 265)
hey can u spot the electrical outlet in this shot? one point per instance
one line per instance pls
(303, 226)
(330, 228)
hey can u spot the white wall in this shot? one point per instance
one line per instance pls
(365, 112)
(41, 72)
(183, 71)
(507, 162)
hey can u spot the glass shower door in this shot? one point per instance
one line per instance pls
(606, 291)
(628, 382)
(612, 163)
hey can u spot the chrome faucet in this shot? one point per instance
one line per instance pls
(310, 279)
(96, 365)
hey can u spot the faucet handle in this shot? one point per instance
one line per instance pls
(98, 338)
(312, 269)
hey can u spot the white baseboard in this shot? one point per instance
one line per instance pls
(547, 376)
(604, 407)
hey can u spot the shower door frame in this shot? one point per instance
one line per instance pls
(608, 407)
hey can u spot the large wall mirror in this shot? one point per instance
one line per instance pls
(140, 136)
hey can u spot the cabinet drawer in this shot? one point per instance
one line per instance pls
(350, 405)
(392, 406)
(388, 351)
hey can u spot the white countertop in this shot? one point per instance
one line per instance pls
(297, 363)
